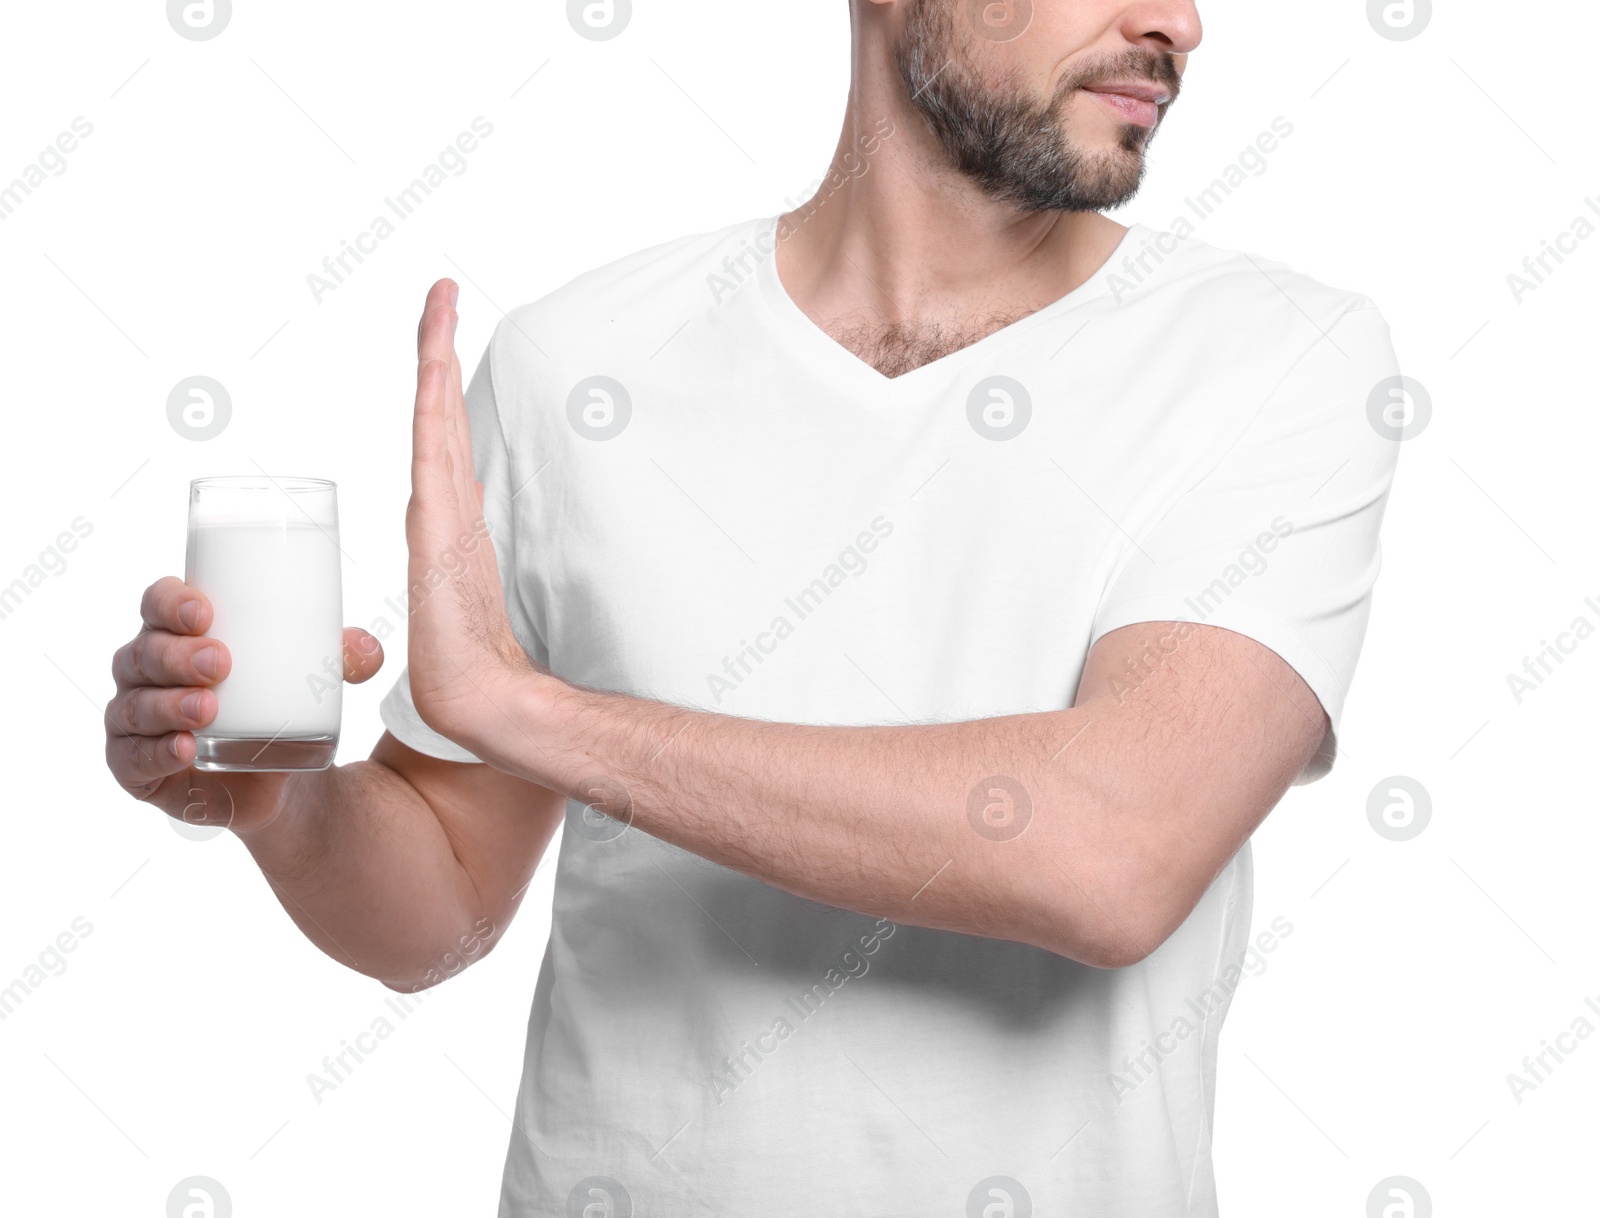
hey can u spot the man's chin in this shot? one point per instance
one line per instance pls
(1125, 155)
(1108, 181)
(1112, 164)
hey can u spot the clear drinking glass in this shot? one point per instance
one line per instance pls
(265, 552)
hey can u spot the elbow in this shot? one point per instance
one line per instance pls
(1109, 892)
(1118, 955)
(404, 987)
(1102, 943)
(427, 979)
(1092, 935)
(1113, 920)
(467, 949)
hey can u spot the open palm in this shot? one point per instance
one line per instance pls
(463, 656)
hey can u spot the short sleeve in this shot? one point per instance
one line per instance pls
(493, 464)
(1278, 539)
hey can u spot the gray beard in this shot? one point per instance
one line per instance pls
(1012, 147)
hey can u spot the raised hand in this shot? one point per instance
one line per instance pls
(463, 657)
(164, 678)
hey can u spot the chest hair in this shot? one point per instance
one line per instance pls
(895, 348)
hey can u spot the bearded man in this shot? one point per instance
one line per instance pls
(910, 604)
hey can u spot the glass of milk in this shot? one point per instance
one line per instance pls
(265, 552)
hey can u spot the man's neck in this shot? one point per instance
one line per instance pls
(902, 260)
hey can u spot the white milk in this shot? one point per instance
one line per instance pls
(274, 589)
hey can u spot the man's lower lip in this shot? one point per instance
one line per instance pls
(1130, 109)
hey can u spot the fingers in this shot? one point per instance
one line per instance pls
(436, 331)
(160, 697)
(460, 430)
(441, 454)
(430, 481)
(172, 605)
(435, 351)
(444, 292)
(363, 655)
(157, 657)
(147, 711)
(436, 340)
(139, 763)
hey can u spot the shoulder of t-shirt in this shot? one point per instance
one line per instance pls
(668, 278)
(1252, 292)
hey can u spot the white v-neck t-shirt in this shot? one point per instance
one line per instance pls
(697, 496)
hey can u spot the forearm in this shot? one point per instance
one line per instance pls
(362, 864)
(974, 827)
(1186, 751)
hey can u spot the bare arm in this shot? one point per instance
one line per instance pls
(1132, 800)
(404, 867)
(1091, 832)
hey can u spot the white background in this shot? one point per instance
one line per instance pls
(219, 174)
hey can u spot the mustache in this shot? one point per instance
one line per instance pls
(1135, 63)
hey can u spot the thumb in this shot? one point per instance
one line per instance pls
(363, 655)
